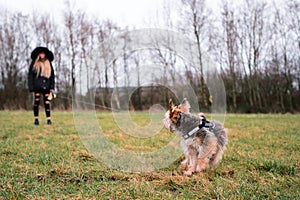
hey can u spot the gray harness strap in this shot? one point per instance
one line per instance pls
(205, 124)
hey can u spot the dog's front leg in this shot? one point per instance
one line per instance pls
(186, 153)
(192, 163)
(206, 151)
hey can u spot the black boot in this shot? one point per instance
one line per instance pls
(36, 122)
(49, 122)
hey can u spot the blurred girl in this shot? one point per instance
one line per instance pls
(41, 80)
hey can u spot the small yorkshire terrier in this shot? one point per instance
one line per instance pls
(203, 141)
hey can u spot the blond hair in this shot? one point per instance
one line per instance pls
(42, 67)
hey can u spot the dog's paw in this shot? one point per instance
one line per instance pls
(201, 166)
(184, 162)
(199, 169)
(188, 173)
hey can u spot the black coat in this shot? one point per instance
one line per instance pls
(37, 83)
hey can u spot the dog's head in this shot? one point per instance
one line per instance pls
(173, 114)
(174, 111)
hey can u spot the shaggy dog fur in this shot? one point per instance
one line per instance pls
(204, 148)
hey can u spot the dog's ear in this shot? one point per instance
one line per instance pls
(185, 106)
(174, 112)
(201, 114)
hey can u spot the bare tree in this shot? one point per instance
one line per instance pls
(283, 37)
(256, 44)
(251, 39)
(293, 23)
(14, 62)
(164, 54)
(43, 29)
(231, 44)
(86, 49)
(72, 43)
(196, 17)
(106, 30)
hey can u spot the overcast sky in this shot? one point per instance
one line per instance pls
(125, 12)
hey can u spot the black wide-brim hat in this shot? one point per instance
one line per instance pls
(39, 50)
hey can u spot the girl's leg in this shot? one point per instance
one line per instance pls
(36, 105)
(47, 108)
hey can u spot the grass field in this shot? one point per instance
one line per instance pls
(262, 161)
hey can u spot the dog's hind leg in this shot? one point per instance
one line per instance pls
(206, 151)
(217, 156)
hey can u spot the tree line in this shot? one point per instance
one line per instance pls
(255, 46)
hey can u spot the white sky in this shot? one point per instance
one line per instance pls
(125, 12)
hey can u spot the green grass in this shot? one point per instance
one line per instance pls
(262, 161)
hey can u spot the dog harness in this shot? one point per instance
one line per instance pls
(205, 124)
